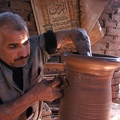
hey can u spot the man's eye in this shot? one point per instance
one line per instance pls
(26, 42)
(13, 46)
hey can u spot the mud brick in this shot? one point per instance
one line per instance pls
(116, 17)
(4, 10)
(115, 94)
(115, 100)
(117, 69)
(4, 3)
(24, 15)
(112, 52)
(107, 39)
(116, 74)
(110, 24)
(118, 25)
(104, 16)
(31, 26)
(26, 0)
(114, 46)
(113, 31)
(118, 10)
(115, 88)
(98, 51)
(32, 19)
(32, 33)
(99, 46)
(20, 5)
(115, 81)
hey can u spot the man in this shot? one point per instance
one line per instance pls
(21, 62)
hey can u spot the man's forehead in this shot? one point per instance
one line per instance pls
(24, 39)
(15, 36)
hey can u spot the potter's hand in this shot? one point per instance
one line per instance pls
(81, 41)
(78, 36)
(63, 83)
(47, 90)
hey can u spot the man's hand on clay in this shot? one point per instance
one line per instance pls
(47, 90)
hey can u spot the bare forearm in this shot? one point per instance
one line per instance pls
(12, 110)
(43, 91)
(78, 36)
(63, 38)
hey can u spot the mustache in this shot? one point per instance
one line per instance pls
(20, 58)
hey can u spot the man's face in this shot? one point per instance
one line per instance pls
(15, 48)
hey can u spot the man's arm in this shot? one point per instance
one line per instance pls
(13, 109)
(43, 91)
(78, 36)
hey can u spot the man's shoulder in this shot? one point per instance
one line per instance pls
(34, 41)
(34, 38)
(37, 40)
(3, 68)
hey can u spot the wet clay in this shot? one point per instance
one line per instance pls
(88, 95)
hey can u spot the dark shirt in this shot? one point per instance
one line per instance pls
(18, 77)
(1, 102)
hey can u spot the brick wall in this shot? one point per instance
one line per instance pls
(24, 9)
(110, 43)
(110, 22)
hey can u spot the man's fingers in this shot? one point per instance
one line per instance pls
(58, 95)
(55, 83)
(64, 83)
(56, 89)
(62, 87)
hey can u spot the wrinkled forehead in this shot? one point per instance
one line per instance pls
(14, 36)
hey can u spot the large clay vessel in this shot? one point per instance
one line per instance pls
(88, 95)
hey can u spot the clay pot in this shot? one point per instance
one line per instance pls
(88, 95)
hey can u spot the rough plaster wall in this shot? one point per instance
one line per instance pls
(110, 22)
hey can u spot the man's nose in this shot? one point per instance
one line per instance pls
(22, 51)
